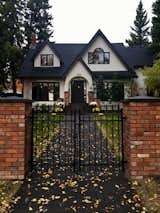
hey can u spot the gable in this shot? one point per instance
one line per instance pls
(115, 63)
(78, 70)
(47, 51)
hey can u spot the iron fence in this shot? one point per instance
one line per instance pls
(76, 141)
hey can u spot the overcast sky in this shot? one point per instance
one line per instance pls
(78, 20)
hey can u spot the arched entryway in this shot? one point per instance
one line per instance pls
(78, 90)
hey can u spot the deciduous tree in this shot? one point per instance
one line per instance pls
(153, 78)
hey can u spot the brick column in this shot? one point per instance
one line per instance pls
(142, 137)
(15, 138)
(90, 96)
(66, 98)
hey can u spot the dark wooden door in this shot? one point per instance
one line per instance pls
(77, 90)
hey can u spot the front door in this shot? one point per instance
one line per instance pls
(77, 91)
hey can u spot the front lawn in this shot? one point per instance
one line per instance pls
(111, 127)
(149, 192)
(44, 127)
(7, 191)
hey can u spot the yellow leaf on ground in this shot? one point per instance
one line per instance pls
(86, 201)
(72, 183)
(62, 186)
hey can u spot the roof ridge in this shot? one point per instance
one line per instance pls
(69, 43)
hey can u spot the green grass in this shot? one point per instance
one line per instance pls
(44, 127)
(149, 192)
(111, 127)
(7, 191)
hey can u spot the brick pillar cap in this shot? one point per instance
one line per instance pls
(142, 99)
(14, 99)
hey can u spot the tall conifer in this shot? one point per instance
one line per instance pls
(38, 21)
(155, 30)
(140, 30)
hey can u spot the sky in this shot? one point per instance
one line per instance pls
(76, 21)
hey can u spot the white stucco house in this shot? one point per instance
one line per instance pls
(80, 73)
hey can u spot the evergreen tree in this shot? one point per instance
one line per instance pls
(38, 21)
(140, 31)
(155, 30)
(12, 14)
(11, 39)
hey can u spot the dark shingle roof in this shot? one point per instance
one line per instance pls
(70, 53)
(136, 56)
(114, 75)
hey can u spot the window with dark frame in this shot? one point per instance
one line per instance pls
(45, 91)
(106, 91)
(98, 57)
(47, 60)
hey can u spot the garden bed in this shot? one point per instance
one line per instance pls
(7, 190)
(149, 192)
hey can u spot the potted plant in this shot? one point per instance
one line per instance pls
(59, 105)
(94, 106)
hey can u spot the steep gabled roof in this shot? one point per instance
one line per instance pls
(52, 47)
(87, 46)
(69, 54)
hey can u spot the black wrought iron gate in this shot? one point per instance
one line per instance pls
(76, 141)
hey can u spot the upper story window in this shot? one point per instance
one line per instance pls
(47, 60)
(98, 57)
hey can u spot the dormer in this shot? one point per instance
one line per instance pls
(100, 55)
(47, 57)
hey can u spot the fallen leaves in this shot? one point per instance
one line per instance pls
(72, 183)
(86, 200)
(54, 197)
(149, 191)
(45, 188)
(62, 186)
(7, 190)
(97, 203)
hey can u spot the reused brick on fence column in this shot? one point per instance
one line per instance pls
(15, 138)
(142, 137)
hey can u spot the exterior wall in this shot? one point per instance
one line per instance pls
(61, 89)
(78, 71)
(15, 139)
(141, 87)
(46, 50)
(115, 63)
(142, 138)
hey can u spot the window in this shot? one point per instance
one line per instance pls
(106, 91)
(45, 91)
(47, 60)
(98, 57)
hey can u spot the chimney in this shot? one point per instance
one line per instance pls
(33, 41)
